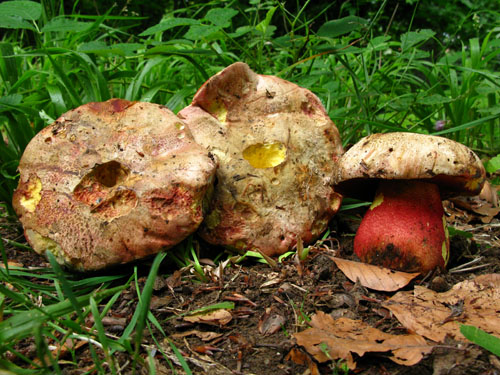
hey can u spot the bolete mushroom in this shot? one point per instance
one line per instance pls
(277, 149)
(408, 174)
(111, 182)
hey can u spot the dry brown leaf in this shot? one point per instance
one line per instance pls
(217, 317)
(374, 277)
(299, 357)
(202, 335)
(271, 321)
(331, 339)
(435, 315)
(485, 204)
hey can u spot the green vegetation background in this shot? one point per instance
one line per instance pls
(422, 66)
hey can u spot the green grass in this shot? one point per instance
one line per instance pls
(369, 80)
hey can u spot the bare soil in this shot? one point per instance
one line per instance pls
(273, 303)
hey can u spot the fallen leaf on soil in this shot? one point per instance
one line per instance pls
(485, 204)
(202, 335)
(374, 277)
(435, 315)
(331, 339)
(299, 357)
(271, 321)
(217, 317)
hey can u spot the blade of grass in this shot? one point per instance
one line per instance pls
(21, 324)
(67, 289)
(101, 334)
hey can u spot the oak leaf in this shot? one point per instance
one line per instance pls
(216, 317)
(434, 315)
(374, 277)
(331, 339)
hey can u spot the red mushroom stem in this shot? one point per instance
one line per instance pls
(404, 228)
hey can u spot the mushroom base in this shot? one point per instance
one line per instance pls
(404, 228)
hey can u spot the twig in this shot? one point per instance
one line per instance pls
(465, 265)
(470, 268)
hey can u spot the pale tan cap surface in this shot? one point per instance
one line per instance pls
(277, 150)
(455, 168)
(111, 182)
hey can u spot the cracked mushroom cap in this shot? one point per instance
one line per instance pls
(111, 182)
(409, 156)
(277, 149)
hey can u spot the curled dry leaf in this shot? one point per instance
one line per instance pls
(202, 335)
(218, 317)
(435, 315)
(331, 339)
(485, 204)
(299, 357)
(271, 321)
(374, 277)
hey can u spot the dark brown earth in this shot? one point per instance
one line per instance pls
(273, 303)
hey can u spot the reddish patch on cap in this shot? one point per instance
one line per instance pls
(110, 106)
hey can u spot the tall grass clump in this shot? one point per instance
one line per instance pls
(373, 72)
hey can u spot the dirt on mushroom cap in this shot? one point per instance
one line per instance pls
(454, 167)
(111, 182)
(277, 150)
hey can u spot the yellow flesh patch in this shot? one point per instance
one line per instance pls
(379, 198)
(219, 111)
(42, 244)
(33, 196)
(265, 155)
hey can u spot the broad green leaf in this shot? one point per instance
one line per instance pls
(169, 23)
(27, 10)
(493, 164)
(93, 47)
(65, 25)
(379, 43)
(8, 22)
(100, 48)
(434, 99)
(412, 38)
(481, 338)
(240, 31)
(494, 110)
(342, 26)
(221, 16)
(264, 25)
(197, 32)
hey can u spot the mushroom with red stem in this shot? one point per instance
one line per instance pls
(406, 175)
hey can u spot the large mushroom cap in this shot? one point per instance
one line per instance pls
(277, 150)
(409, 156)
(111, 182)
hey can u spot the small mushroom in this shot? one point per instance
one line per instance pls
(406, 175)
(111, 182)
(277, 150)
